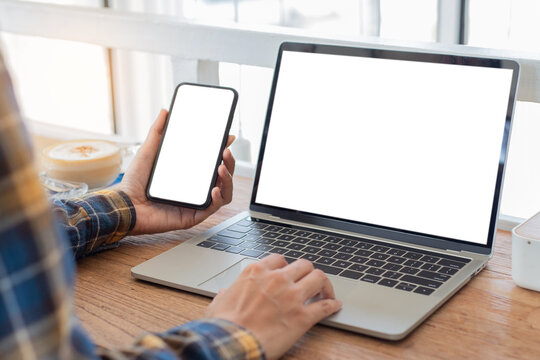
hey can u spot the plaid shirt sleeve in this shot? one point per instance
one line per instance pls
(37, 269)
(96, 221)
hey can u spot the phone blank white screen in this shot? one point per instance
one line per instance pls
(402, 144)
(191, 146)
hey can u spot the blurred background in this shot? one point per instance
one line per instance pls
(85, 87)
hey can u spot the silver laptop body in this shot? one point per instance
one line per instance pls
(391, 162)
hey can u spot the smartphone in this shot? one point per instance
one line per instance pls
(192, 144)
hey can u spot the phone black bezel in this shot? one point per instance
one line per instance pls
(208, 201)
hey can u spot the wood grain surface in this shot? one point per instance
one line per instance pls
(490, 318)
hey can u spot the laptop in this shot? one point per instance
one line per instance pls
(384, 168)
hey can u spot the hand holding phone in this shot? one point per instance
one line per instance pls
(191, 148)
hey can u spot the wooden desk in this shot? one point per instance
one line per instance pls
(489, 318)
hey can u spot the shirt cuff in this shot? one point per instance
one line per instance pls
(97, 220)
(206, 339)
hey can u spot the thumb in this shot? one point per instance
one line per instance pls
(154, 135)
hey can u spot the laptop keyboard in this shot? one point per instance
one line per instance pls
(393, 266)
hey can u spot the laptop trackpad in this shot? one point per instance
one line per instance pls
(225, 278)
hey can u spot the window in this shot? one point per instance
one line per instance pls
(120, 91)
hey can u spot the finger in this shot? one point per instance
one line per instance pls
(314, 283)
(321, 309)
(298, 269)
(274, 261)
(153, 138)
(226, 184)
(229, 161)
(230, 140)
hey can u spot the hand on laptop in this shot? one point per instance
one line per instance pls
(153, 217)
(269, 298)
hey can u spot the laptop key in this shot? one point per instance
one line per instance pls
(256, 231)
(396, 252)
(265, 241)
(396, 259)
(358, 259)
(278, 250)
(430, 259)
(225, 240)
(318, 236)
(388, 282)
(238, 228)
(327, 269)
(451, 264)
(220, 247)
(271, 235)
(358, 267)
(342, 264)
(448, 271)
(348, 242)
(252, 253)
(295, 246)
(363, 245)
(341, 256)
(310, 257)
(206, 244)
(405, 287)
(311, 250)
(317, 243)
(250, 237)
(326, 261)
(245, 222)
(379, 256)
(376, 263)
(379, 248)
(234, 249)
(248, 244)
(264, 247)
(409, 270)
(423, 290)
(365, 253)
(412, 255)
(331, 246)
(327, 253)
(288, 231)
(280, 243)
(302, 233)
(392, 267)
(258, 225)
(231, 234)
(347, 250)
(392, 275)
(371, 278)
(413, 263)
(289, 259)
(431, 267)
(375, 271)
(294, 254)
(351, 274)
(285, 237)
(273, 228)
(421, 281)
(333, 239)
(301, 240)
(433, 275)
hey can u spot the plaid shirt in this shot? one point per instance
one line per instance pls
(37, 266)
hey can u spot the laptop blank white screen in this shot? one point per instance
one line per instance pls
(401, 144)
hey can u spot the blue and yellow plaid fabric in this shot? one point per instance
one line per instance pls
(37, 268)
